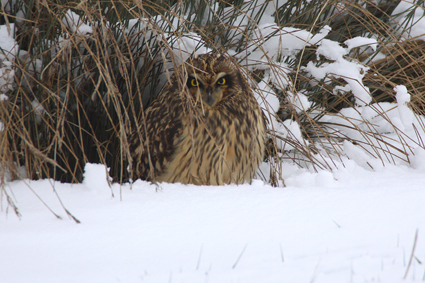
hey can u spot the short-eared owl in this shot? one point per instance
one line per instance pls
(205, 127)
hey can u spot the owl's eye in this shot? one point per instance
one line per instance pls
(221, 81)
(194, 82)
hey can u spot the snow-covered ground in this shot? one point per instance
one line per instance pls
(352, 225)
(347, 224)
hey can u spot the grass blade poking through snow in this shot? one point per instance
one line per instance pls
(240, 256)
(412, 255)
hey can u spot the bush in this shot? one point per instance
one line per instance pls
(82, 73)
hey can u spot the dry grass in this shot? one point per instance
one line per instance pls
(93, 87)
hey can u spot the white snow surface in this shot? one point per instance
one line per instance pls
(352, 225)
(412, 14)
(73, 22)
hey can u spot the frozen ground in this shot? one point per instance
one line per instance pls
(350, 226)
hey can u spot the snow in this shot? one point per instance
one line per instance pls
(411, 14)
(403, 97)
(275, 41)
(352, 225)
(74, 23)
(8, 45)
(359, 41)
(356, 221)
(38, 109)
(288, 130)
(8, 50)
(351, 71)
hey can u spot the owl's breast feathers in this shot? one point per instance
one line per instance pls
(189, 144)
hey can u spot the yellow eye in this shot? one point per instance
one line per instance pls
(194, 82)
(221, 81)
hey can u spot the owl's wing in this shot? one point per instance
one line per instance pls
(153, 146)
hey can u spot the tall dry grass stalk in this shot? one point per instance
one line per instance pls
(86, 71)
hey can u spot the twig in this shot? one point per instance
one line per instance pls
(11, 203)
(411, 254)
(63, 206)
(40, 199)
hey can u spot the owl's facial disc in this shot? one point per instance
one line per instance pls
(211, 91)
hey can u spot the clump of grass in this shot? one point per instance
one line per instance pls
(86, 71)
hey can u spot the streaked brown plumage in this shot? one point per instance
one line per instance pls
(205, 127)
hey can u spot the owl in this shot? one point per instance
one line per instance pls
(205, 127)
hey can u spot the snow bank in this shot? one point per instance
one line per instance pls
(352, 225)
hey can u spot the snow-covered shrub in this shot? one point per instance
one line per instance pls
(333, 78)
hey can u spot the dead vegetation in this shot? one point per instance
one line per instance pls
(85, 71)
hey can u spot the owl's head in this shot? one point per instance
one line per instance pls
(213, 78)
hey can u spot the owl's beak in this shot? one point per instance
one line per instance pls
(210, 100)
